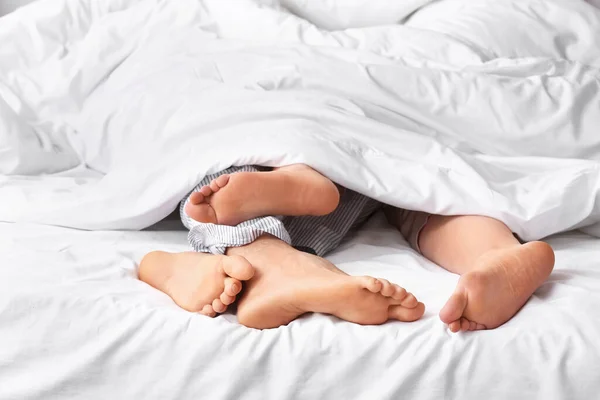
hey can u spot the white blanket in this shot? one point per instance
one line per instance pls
(489, 107)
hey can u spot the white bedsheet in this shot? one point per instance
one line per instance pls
(75, 323)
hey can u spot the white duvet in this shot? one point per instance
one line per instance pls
(111, 110)
(487, 107)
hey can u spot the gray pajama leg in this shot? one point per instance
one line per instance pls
(321, 235)
(317, 235)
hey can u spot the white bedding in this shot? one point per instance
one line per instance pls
(462, 110)
(77, 324)
(110, 111)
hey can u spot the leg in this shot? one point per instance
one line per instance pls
(196, 282)
(289, 283)
(230, 198)
(498, 274)
(315, 234)
(320, 235)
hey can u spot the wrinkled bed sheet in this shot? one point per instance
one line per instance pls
(76, 323)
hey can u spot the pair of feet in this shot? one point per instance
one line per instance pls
(283, 283)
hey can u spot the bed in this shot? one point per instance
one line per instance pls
(110, 112)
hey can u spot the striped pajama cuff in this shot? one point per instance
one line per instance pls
(215, 239)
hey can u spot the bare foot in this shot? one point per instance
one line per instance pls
(196, 282)
(294, 190)
(289, 283)
(503, 282)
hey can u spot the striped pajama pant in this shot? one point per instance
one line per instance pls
(316, 235)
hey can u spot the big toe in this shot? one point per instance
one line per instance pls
(238, 267)
(202, 212)
(454, 307)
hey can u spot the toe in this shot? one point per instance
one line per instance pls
(237, 267)
(406, 314)
(387, 288)
(399, 293)
(472, 326)
(220, 182)
(232, 286)
(409, 301)
(206, 191)
(218, 306)
(464, 324)
(454, 307)
(205, 310)
(454, 326)
(214, 186)
(226, 299)
(373, 285)
(480, 327)
(202, 212)
(208, 311)
(196, 198)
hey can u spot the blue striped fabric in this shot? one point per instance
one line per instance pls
(324, 234)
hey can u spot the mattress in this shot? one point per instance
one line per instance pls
(76, 323)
